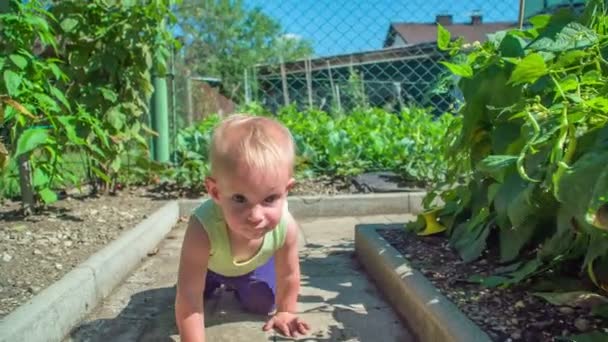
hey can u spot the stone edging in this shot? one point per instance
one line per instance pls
(429, 314)
(343, 205)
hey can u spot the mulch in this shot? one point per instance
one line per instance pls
(506, 314)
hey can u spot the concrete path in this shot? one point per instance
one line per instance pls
(336, 298)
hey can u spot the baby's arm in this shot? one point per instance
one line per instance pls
(189, 314)
(287, 265)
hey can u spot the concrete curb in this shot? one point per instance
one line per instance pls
(429, 314)
(342, 205)
(51, 314)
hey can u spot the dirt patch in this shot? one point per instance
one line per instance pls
(322, 185)
(38, 250)
(510, 314)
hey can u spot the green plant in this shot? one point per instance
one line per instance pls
(86, 93)
(530, 163)
(34, 109)
(192, 157)
(410, 144)
(110, 49)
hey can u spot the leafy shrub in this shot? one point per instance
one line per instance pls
(530, 163)
(76, 79)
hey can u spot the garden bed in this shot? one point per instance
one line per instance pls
(38, 250)
(510, 314)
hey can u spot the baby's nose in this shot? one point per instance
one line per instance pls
(256, 214)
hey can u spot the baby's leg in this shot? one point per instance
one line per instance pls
(212, 282)
(256, 291)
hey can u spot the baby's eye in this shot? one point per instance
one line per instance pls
(238, 198)
(271, 199)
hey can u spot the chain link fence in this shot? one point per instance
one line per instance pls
(332, 55)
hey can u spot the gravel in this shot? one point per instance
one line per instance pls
(38, 250)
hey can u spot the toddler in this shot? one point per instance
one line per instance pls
(243, 237)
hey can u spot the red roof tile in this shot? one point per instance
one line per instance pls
(414, 33)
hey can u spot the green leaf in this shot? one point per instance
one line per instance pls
(69, 124)
(443, 37)
(492, 191)
(597, 247)
(595, 336)
(469, 238)
(495, 163)
(31, 139)
(489, 281)
(59, 95)
(584, 184)
(569, 58)
(599, 103)
(116, 118)
(40, 178)
(508, 192)
(601, 310)
(69, 24)
(56, 71)
(101, 174)
(530, 69)
(568, 83)
(512, 46)
(12, 81)
(562, 241)
(540, 21)
(463, 70)
(109, 94)
(38, 23)
(48, 195)
(2, 61)
(513, 239)
(572, 36)
(526, 270)
(115, 165)
(20, 61)
(583, 299)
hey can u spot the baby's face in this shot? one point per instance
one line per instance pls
(252, 201)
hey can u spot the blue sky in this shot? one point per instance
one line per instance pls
(344, 26)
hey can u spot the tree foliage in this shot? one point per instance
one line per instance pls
(223, 38)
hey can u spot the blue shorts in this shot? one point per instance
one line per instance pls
(255, 290)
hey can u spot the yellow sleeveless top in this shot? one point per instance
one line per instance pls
(221, 261)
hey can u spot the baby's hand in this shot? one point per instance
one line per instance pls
(287, 324)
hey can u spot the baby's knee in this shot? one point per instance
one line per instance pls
(258, 298)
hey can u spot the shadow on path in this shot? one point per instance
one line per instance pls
(337, 299)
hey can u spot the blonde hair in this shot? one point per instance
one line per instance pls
(257, 142)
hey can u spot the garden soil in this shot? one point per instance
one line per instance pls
(506, 314)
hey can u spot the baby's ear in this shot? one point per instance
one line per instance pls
(211, 185)
(290, 184)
